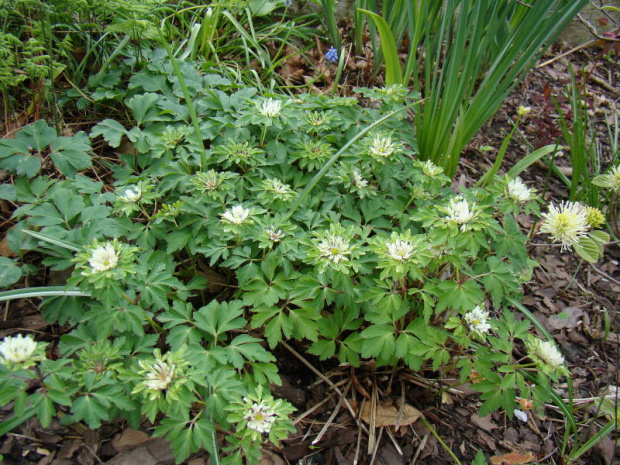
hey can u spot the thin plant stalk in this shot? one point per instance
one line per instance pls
(188, 101)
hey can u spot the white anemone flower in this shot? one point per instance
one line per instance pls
(400, 250)
(566, 224)
(335, 249)
(546, 351)
(430, 169)
(477, 321)
(275, 235)
(459, 212)
(103, 257)
(281, 190)
(517, 191)
(357, 179)
(132, 194)
(236, 215)
(382, 146)
(260, 417)
(270, 108)
(16, 349)
(159, 375)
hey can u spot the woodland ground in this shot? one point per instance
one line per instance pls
(572, 300)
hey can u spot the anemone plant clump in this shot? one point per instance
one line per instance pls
(306, 219)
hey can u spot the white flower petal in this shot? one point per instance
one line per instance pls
(103, 258)
(566, 224)
(520, 415)
(17, 349)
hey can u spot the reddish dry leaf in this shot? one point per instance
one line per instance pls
(5, 251)
(513, 458)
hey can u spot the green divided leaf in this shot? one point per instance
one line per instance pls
(39, 135)
(9, 272)
(379, 342)
(245, 347)
(112, 132)
(71, 154)
(144, 106)
(216, 319)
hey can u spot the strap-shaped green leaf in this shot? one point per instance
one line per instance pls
(393, 72)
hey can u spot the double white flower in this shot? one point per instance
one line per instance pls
(159, 375)
(260, 417)
(460, 212)
(566, 224)
(132, 194)
(430, 169)
(477, 321)
(358, 180)
(382, 146)
(274, 235)
(546, 352)
(334, 248)
(517, 191)
(270, 108)
(103, 257)
(16, 350)
(236, 215)
(400, 250)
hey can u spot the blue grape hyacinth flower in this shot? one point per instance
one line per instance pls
(332, 55)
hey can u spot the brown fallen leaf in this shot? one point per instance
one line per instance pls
(513, 458)
(269, 458)
(129, 439)
(486, 423)
(5, 250)
(389, 415)
(569, 318)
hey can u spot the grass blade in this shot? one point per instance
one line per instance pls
(47, 291)
(393, 71)
(530, 159)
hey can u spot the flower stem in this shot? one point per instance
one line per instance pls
(443, 444)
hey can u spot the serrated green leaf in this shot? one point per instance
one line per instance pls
(112, 132)
(22, 165)
(71, 154)
(46, 411)
(246, 347)
(38, 135)
(323, 349)
(217, 318)
(90, 410)
(143, 106)
(379, 342)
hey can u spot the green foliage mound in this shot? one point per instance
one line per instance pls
(296, 228)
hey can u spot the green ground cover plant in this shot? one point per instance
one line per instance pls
(306, 219)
